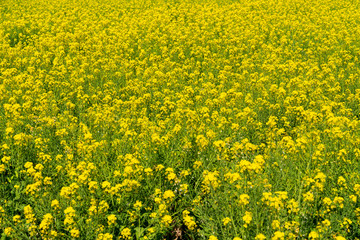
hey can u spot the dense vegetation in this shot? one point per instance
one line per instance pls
(154, 119)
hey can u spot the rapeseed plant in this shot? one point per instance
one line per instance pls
(217, 119)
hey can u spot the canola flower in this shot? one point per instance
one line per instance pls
(218, 119)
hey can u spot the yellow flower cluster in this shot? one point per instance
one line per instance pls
(167, 119)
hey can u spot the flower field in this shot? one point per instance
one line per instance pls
(169, 119)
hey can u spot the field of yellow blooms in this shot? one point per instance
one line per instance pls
(180, 119)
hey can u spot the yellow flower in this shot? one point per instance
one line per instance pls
(244, 199)
(313, 235)
(171, 176)
(69, 211)
(39, 167)
(46, 222)
(308, 197)
(16, 218)
(105, 236)
(2, 168)
(340, 238)
(210, 180)
(339, 201)
(183, 188)
(47, 181)
(188, 220)
(184, 173)
(118, 173)
(168, 194)
(278, 235)
(9, 130)
(247, 218)
(126, 233)
(212, 237)
(357, 188)
(28, 212)
(103, 206)
(275, 224)
(353, 198)
(8, 231)
(321, 176)
(148, 171)
(260, 237)
(326, 222)
(69, 220)
(93, 185)
(201, 141)
(210, 134)
(28, 165)
(159, 167)
(327, 201)
(6, 159)
(92, 210)
(166, 220)
(111, 219)
(341, 180)
(226, 221)
(197, 164)
(128, 170)
(75, 233)
(105, 185)
(233, 177)
(138, 205)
